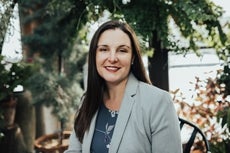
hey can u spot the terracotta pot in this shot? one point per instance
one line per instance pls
(49, 143)
(9, 109)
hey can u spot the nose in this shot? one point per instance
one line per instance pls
(112, 57)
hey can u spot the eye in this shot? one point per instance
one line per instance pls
(102, 49)
(123, 50)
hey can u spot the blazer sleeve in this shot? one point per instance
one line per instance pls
(166, 134)
(74, 144)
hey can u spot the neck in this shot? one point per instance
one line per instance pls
(114, 95)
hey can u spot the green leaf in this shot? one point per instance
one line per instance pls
(228, 119)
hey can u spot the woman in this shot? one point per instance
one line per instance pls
(121, 111)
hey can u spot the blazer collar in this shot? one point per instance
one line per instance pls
(124, 113)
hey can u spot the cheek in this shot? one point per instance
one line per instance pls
(99, 61)
(127, 61)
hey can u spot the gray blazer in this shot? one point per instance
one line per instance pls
(147, 123)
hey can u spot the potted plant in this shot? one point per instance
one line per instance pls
(60, 91)
(62, 96)
(13, 74)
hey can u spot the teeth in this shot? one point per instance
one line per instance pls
(111, 68)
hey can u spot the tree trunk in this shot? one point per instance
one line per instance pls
(158, 65)
(25, 118)
(40, 124)
(27, 29)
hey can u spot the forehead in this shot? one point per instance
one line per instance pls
(115, 37)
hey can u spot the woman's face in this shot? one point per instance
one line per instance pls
(114, 56)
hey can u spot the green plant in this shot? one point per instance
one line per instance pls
(59, 90)
(12, 75)
(56, 91)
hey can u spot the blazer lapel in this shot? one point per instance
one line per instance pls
(124, 113)
(88, 136)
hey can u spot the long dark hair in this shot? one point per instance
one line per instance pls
(93, 96)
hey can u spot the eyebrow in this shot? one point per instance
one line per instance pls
(118, 46)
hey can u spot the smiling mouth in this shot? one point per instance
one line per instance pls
(112, 68)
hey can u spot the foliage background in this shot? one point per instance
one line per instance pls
(54, 35)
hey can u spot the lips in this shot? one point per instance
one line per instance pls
(112, 68)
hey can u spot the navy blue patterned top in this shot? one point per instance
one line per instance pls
(105, 123)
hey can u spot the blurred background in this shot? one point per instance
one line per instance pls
(44, 47)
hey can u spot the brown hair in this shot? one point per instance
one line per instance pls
(93, 96)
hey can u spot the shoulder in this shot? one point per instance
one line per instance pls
(152, 90)
(146, 93)
(152, 98)
(155, 102)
